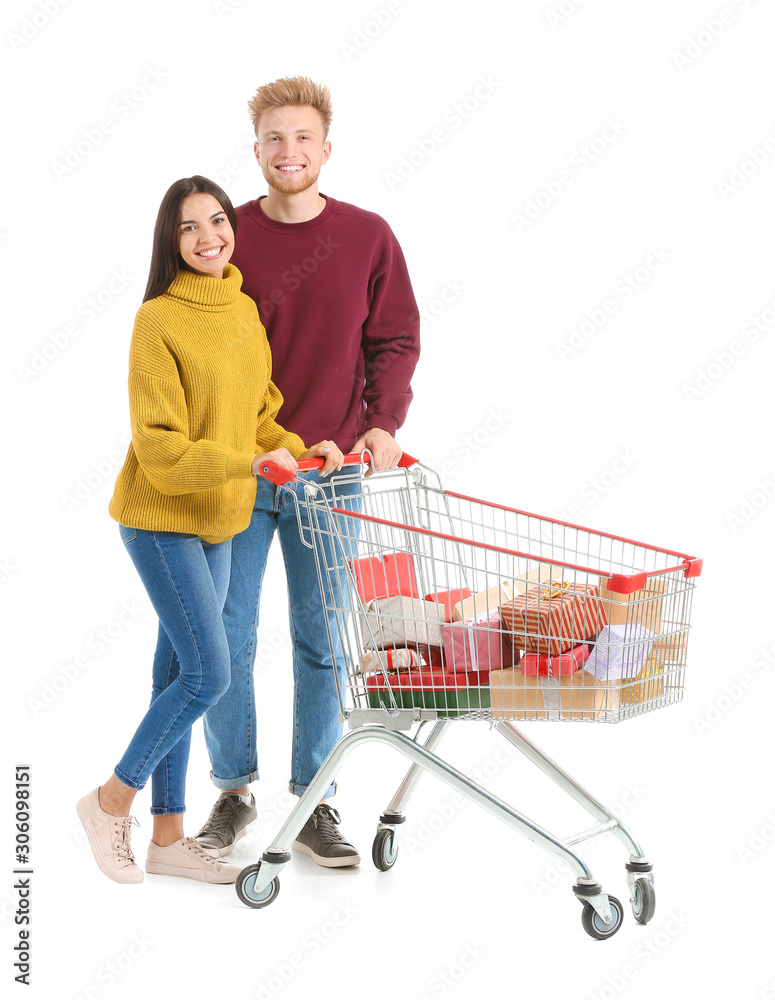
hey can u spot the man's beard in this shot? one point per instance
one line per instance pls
(291, 186)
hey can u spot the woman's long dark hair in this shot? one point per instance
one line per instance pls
(166, 259)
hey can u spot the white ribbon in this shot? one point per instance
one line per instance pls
(483, 616)
(550, 688)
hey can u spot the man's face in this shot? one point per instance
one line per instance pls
(290, 149)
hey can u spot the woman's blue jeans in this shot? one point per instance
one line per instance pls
(230, 726)
(187, 580)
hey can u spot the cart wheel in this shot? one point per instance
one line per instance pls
(383, 853)
(246, 890)
(644, 900)
(593, 923)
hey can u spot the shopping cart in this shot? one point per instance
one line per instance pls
(442, 607)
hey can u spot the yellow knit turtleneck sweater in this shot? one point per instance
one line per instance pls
(202, 405)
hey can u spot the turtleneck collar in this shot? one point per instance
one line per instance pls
(204, 291)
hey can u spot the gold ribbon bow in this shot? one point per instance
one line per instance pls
(556, 588)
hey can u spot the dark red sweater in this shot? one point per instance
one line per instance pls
(335, 298)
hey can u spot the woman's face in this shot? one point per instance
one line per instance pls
(205, 236)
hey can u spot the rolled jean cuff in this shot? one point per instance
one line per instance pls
(167, 810)
(127, 781)
(296, 789)
(229, 784)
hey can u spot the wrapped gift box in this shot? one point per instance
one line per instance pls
(403, 621)
(480, 644)
(486, 602)
(448, 599)
(387, 576)
(554, 618)
(515, 695)
(391, 659)
(643, 607)
(648, 685)
(448, 693)
(620, 652)
(670, 649)
(562, 665)
(667, 652)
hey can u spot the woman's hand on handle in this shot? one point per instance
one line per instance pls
(334, 459)
(280, 456)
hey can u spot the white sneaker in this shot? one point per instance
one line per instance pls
(188, 859)
(109, 839)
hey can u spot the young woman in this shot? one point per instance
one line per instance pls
(202, 407)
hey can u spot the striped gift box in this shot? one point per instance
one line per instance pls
(551, 620)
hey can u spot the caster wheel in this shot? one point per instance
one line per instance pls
(644, 900)
(246, 888)
(593, 923)
(383, 852)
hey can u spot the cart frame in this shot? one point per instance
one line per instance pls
(602, 914)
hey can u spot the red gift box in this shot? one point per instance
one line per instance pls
(447, 694)
(555, 666)
(479, 644)
(449, 598)
(555, 618)
(430, 680)
(390, 576)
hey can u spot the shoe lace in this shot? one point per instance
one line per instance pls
(201, 853)
(220, 815)
(121, 836)
(325, 819)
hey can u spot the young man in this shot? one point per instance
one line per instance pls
(332, 289)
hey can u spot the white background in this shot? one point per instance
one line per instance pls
(495, 406)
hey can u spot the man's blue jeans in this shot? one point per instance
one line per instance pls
(230, 725)
(187, 580)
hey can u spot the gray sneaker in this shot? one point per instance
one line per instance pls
(320, 838)
(229, 820)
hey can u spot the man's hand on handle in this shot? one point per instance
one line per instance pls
(383, 446)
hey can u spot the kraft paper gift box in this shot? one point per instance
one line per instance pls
(562, 665)
(448, 599)
(403, 621)
(479, 644)
(488, 601)
(667, 652)
(554, 618)
(515, 695)
(619, 652)
(644, 607)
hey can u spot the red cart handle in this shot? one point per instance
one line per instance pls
(278, 475)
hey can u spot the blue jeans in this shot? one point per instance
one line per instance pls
(187, 580)
(230, 726)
